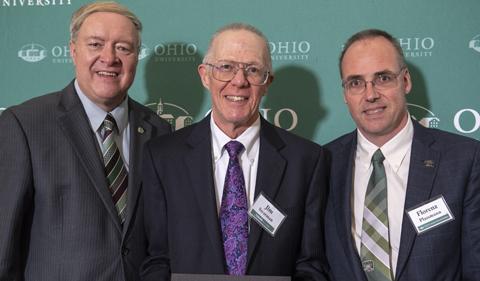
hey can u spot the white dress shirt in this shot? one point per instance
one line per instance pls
(396, 163)
(248, 159)
(96, 115)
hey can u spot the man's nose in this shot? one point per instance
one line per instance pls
(108, 55)
(370, 91)
(240, 78)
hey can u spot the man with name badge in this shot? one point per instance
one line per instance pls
(70, 187)
(234, 194)
(404, 201)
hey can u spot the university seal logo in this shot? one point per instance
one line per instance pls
(32, 52)
(177, 116)
(424, 116)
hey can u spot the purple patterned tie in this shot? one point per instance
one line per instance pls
(233, 213)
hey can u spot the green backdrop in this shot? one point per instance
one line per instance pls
(440, 39)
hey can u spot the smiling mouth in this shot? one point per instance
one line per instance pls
(236, 98)
(107, 74)
(374, 111)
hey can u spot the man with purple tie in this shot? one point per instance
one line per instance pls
(234, 194)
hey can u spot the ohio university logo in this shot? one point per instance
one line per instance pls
(416, 47)
(32, 52)
(475, 43)
(170, 52)
(176, 115)
(467, 121)
(36, 3)
(424, 116)
(285, 118)
(179, 117)
(289, 50)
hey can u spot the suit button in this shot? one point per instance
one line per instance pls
(125, 251)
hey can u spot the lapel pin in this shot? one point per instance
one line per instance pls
(141, 130)
(428, 163)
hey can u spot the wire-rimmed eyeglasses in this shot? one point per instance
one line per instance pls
(225, 71)
(382, 81)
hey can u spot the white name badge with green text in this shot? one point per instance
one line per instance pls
(430, 214)
(266, 214)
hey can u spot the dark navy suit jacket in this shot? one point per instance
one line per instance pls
(449, 252)
(182, 223)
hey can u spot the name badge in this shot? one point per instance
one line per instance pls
(266, 214)
(430, 214)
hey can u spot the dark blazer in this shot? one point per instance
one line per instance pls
(57, 218)
(181, 217)
(447, 253)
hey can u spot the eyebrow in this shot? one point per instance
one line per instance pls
(94, 37)
(356, 76)
(244, 63)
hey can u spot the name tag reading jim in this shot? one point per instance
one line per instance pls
(430, 214)
(266, 214)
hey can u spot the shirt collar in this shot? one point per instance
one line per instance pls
(247, 138)
(394, 150)
(96, 115)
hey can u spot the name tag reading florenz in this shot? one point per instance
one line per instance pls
(430, 214)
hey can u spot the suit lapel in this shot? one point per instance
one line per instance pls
(419, 188)
(271, 167)
(140, 133)
(341, 196)
(74, 123)
(200, 174)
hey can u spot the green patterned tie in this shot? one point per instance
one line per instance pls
(115, 171)
(375, 248)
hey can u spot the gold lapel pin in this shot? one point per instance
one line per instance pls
(140, 130)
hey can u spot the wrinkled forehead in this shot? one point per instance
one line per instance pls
(240, 46)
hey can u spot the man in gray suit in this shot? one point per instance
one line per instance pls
(70, 196)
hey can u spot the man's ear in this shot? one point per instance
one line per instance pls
(203, 73)
(407, 81)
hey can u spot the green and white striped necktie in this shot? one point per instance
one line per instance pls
(375, 249)
(115, 171)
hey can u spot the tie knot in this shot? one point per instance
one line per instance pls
(109, 123)
(108, 126)
(378, 156)
(233, 148)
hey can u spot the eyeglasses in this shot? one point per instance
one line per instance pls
(381, 81)
(225, 71)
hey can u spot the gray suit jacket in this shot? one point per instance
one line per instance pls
(57, 218)
(450, 252)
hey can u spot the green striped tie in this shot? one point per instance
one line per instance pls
(375, 248)
(115, 171)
